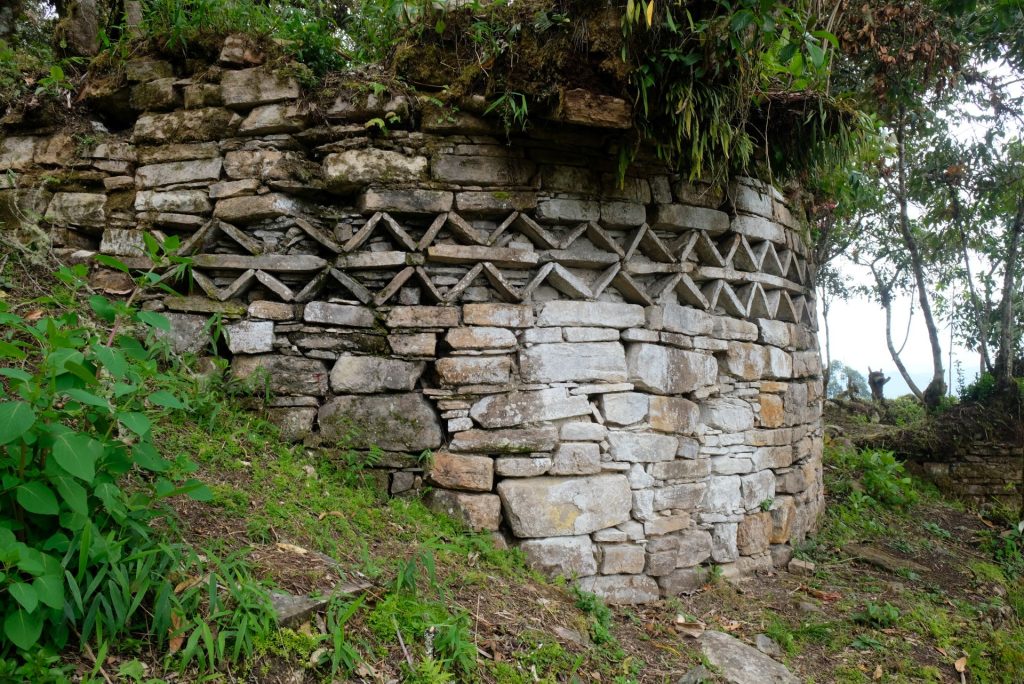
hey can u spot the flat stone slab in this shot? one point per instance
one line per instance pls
(882, 559)
(292, 610)
(742, 664)
(563, 506)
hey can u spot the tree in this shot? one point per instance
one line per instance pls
(845, 381)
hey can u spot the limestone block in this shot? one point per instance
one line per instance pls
(777, 333)
(666, 370)
(759, 228)
(624, 408)
(778, 364)
(773, 457)
(564, 556)
(694, 548)
(480, 512)
(294, 422)
(354, 169)
(573, 362)
(85, 209)
(576, 458)
(481, 170)
(680, 217)
(516, 408)
(726, 328)
(666, 524)
(250, 337)
(423, 317)
(745, 360)
(482, 337)
(120, 242)
(243, 210)
(638, 477)
(185, 125)
(338, 314)
(415, 344)
(461, 471)
(238, 188)
(248, 88)
(570, 210)
(590, 334)
(176, 201)
(591, 314)
(685, 496)
(147, 69)
(368, 374)
(17, 152)
(405, 201)
(757, 487)
(680, 319)
(681, 469)
(200, 95)
(499, 204)
(783, 516)
(640, 447)
(682, 581)
(772, 413)
(727, 414)
(525, 440)
(178, 172)
(806, 364)
(753, 533)
(621, 589)
(499, 315)
(561, 506)
(674, 414)
(722, 495)
(625, 559)
(158, 95)
(394, 422)
(584, 432)
(732, 464)
(521, 466)
(273, 118)
(187, 334)
(723, 543)
(622, 214)
(466, 370)
(289, 375)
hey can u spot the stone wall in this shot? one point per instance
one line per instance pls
(622, 379)
(983, 473)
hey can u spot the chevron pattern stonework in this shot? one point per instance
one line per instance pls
(620, 376)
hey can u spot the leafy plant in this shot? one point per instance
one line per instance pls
(513, 110)
(878, 615)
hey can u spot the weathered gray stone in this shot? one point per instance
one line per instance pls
(393, 422)
(621, 589)
(273, 311)
(405, 201)
(746, 361)
(85, 209)
(282, 374)
(521, 466)
(681, 469)
(479, 170)
(595, 314)
(354, 169)
(559, 506)
(494, 203)
(466, 370)
(179, 172)
(584, 432)
(569, 362)
(624, 408)
(338, 314)
(742, 664)
(638, 447)
(120, 242)
(248, 88)
(158, 95)
(274, 118)
(250, 337)
(480, 338)
(694, 548)
(778, 364)
(682, 581)
(481, 512)
(680, 319)
(293, 422)
(775, 332)
(188, 333)
(500, 315)
(679, 217)
(368, 374)
(147, 69)
(666, 370)
(568, 210)
(526, 440)
(413, 344)
(423, 317)
(576, 458)
(258, 208)
(759, 228)
(187, 125)
(723, 543)
(757, 488)
(516, 408)
(625, 559)
(176, 201)
(622, 214)
(674, 414)
(722, 495)
(734, 329)
(461, 471)
(565, 556)
(679, 496)
(727, 414)
(17, 152)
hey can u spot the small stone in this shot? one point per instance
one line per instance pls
(251, 209)
(182, 126)
(499, 315)
(481, 170)
(765, 644)
(635, 447)
(294, 423)
(178, 201)
(526, 440)
(584, 432)
(680, 217)
(274, 311)
(682, 581)
(414, 344)
(248, 88)
(480, 338)
(521, 466)
(480, 512)
(742, 664)
(757, 488)
(621, 589)
(576, 458)
(590, 334)
(798, 566)
(423, 317)
(250, 337)
(624, 408)
(564, 556)
(460, 471)
(723, 543)
(466, 370)
(625, 559)
(679, 319)
(569, 210)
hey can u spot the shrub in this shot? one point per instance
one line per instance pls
(905, 410)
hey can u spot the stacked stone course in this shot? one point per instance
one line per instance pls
(622, 379)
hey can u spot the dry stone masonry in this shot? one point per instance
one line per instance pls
(621, 378)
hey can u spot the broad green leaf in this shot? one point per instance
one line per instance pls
(154, 320)
(87, 398)
(74, 494)
(35, 497)
(77, 454)
(81, 371)
(16, 418)
(166, 399)
(9, 350)
(147, 457)
(50, 590)
(112, 498)
(111, 262)
(136, 422)
(817, 54)
(23, 628)
(103, 308)
(24, 594)
(16, 374)
(112, 360)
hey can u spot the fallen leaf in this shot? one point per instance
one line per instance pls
(691, 629)
(187, 584)
(819, 594)
(942, 651)
(34, 315)
(174, 645)
(333, 514)
(961, 664)
(291, 548)
(878, 673)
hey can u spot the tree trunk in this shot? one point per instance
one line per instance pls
(1005, 360)
(936, 389)
(887, 304)
(980, 318)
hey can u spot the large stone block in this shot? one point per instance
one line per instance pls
(522, 441)
(564, 506)
(85, 209)
(621, 589)
(461, 471)
(244, 210)
(187, 125)
(753, 533)
(393, 422)
(565, 556)
(368, 374)
(499, 315)
(290, 375)
(338, 314)
(573, 362)
(482, 337)
(679, 496)
(674, 414)
(576, 458)
(516, 408)
(746, 361)
(727, 414)
(521, 466)
(178, 201)
(250, 337)
(679, 217)
(354, 169)
(405, 201)
(640, 447)
(480, 512)
(723, 543)
(248, 88)
(178, 173)
(694, 548)
(666, 370)
(591, 314)
(757, 488)
(479, 170)
(722, 495)
(625, 559)
(474, 370)
(680, 319)
(624, 408)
